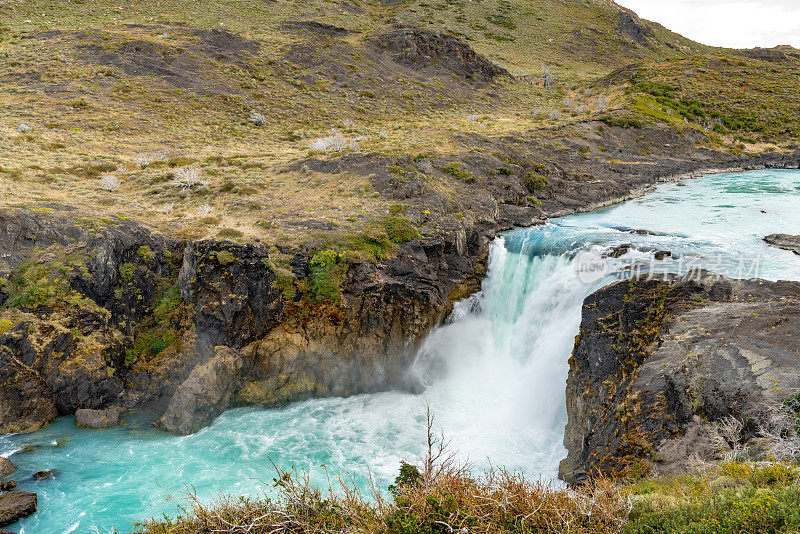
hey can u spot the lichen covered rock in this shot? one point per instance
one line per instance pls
(661, 367)
(97, 418)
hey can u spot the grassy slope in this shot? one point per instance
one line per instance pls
(100, 82)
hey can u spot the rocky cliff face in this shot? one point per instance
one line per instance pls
(673, 371)
(100, 313)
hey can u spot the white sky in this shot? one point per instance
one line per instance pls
(731, 23)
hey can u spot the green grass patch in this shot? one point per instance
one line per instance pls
(326, 272)
(454, 169)
(162, 330)
(732, 499)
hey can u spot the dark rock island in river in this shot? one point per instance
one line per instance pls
(785, 241)
(16, 505)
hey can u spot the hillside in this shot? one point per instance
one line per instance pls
(239, 91)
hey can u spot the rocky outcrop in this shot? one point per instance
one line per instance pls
(663, 369)
(785, 241)
(232, 290)
(632, 27)
(207, 392)
(16, 505)
(6, 467)
(26, 403)
(43, 475)
(97, 418)
(76, 290)
(199, 327)
(422, 49)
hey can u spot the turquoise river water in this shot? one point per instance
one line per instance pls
(494, 374)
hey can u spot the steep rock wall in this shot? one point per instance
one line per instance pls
(660, 364)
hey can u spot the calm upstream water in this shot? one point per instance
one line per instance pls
(494, 375)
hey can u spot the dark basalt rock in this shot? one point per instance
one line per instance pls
(8, 486)
(659, 362)
(785, 241)
(43, 475)
(421, 49)
(232, 290)
(633, 27)
(618, 251)
(16, 505)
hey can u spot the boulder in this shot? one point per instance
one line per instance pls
(617, 251)
(97, 418)
(8, 486)
(784, 241)
(207, 392)
(16, 505)
(43, 475)
(6, 467)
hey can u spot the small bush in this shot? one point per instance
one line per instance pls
(205, 210)
(454, 169)
(333, 143)
(146, 254)
(223, 257)
(109, 182)
(230, 232)
(399, 229)
(535, 182)
(161, 332)
(258, 119)
(5, 326)
(191, 233)
(126, 272)
(189, 177)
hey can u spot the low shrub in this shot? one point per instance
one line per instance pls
(454, 169)
(623, 122)
(326, 270)
(535, 182)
